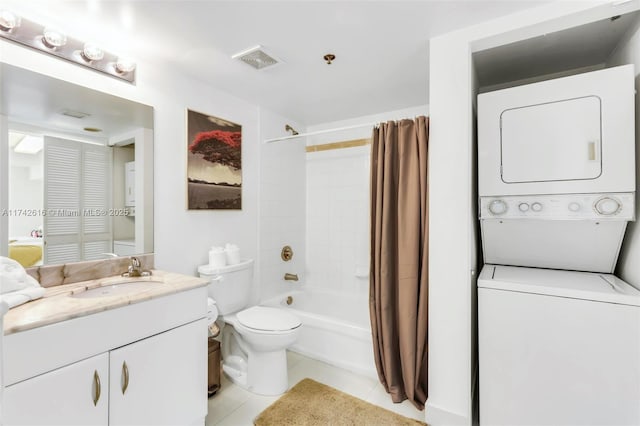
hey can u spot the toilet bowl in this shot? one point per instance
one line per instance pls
(254, 339)
(254, 348)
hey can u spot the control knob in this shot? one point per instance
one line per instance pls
(607, 206)
(536, 207)
(498, 207)
(523, 207)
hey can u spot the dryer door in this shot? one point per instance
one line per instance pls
(555, 141)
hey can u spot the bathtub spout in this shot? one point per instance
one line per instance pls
(291, 277)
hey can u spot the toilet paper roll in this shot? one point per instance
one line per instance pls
(217, 259)
(212, 311)
(232, 253)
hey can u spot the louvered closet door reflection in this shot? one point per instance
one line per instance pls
(62, 222)
(77, 200)
(96, 201)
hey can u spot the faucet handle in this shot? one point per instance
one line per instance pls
(134, 268)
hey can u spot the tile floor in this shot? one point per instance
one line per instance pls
(233, 406)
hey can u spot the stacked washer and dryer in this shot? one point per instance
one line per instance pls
(558, 334)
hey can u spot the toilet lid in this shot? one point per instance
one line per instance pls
(268, 319)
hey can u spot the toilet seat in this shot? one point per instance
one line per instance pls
(264, 319)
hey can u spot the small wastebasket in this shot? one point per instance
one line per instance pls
(213, 366)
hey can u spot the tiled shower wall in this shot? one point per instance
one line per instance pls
(282, 207)
(338, 219)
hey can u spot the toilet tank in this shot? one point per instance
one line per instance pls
(229, 286)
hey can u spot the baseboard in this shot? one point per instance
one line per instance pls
(437, 416)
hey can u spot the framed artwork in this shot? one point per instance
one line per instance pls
(214, 163)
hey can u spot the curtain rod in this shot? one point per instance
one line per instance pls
(319, 132)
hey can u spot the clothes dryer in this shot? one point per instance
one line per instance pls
(570, 135)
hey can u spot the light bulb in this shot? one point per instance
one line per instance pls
(53, 38)
(8, 20)
(124, 65)
(91, 52)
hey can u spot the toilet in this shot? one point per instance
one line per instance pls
(254, 338)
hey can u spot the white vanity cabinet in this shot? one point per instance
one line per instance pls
(140, 364)
(159, 380)
(73, 395)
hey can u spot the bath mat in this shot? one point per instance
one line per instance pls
(310, 403)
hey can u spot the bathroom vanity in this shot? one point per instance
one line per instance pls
(109, 352)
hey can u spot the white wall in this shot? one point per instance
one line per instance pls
(282, 206)
(26, 191)
(4, 183)
(360, 132)
(182, 237)
(628, 52)
(123, 226)
(453, 238)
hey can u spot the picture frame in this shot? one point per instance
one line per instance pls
(214, 163)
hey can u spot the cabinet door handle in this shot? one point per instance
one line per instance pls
(96, 382)
(125, 373)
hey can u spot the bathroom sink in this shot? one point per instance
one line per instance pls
(116, 289)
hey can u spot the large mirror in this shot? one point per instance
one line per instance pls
(76, 171)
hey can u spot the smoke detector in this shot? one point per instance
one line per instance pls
(257, 57)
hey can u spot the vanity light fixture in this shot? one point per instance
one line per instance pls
(55, 42)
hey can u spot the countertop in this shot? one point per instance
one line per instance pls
(57, 304)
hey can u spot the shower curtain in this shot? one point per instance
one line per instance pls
(398, 292)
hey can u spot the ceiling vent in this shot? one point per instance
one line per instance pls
(256, 57)
(75, 114)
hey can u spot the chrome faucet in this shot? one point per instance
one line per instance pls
(291, 277)
(135, 269)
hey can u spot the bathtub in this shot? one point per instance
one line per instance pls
(335, 327)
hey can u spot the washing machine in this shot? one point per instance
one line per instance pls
(557, 348)
(556, 171)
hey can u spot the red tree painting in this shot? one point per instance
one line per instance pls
(214, 162)
(218, 146)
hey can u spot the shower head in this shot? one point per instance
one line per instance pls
(293, 131)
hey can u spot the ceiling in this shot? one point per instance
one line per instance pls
(381, 47)
(33, 99)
